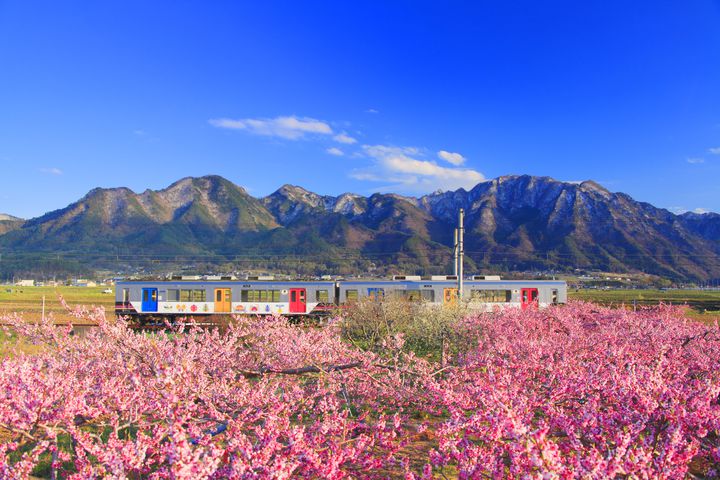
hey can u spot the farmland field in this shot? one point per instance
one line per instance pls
(704, 304)
(28, 300)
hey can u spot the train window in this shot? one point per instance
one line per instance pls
(491, 296)
(184, 295)
(377, 294)
(321, 296)
(413, 295)
(198, 295)
(173, 295)
(351, 295)
(554, 296)
(125, 295)
(260, 296)
(428, 295)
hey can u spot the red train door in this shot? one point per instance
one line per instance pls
(528, 298)
(297, 300)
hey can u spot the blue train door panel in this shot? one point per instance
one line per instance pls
(149, 299)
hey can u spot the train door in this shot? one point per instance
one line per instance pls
(450, 296)
(149, 299)
(223, 300)
(528, 298)
(297, 300)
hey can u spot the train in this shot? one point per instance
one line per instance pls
(144, 300)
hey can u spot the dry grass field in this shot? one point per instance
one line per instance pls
(704, 305)
(28, 300)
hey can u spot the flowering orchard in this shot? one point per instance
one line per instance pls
(577, 391)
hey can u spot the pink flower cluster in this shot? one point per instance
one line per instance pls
(583, 392)
(576, 391)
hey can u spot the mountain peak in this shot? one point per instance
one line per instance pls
(9, 218)
(520, 220)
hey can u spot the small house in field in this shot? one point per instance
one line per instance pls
(25, 283)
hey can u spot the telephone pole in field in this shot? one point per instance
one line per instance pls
(460, 252)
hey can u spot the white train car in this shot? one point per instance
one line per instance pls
(170, 299)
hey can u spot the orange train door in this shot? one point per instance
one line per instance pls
(450, 296)
(297, 300)
(528, 298)
(223, 300)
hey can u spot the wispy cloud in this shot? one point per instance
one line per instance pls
(371, 110)
(335, 151)
(450, 157)
(714, 151)
(51, 171)
(344, 138)
(407, 171)
(291, 128)
(139, 132)
(695, 160)
(681, 210)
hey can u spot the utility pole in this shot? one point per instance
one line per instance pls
(455, 254)
(461, 252)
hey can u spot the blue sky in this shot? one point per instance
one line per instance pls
(335, 96)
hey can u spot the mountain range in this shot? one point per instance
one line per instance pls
(516, 222)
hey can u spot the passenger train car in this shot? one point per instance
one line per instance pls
(170, 299)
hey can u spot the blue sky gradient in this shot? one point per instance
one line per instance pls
(358, 96)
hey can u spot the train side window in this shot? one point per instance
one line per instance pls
(263, 295)
(491, 296)
(185, 295)
(275, 295)
(554, 296)
(198, 295)
(125, 295)
(413, 295)
(154, 295)
(321, 296)
(145, 296)
(173, 295)
(351, 295)
(428, 295)
(377, 294)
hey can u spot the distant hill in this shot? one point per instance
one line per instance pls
(514, 222)
(9, 223)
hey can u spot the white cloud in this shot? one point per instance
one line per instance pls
(291, 128)
(371, 110)
(139, 133)
(696, 160)
(344, 138)
(681, 210)
(51, 171)
(450, 157)
(335, 151)
(401, 167)
(714, 151)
